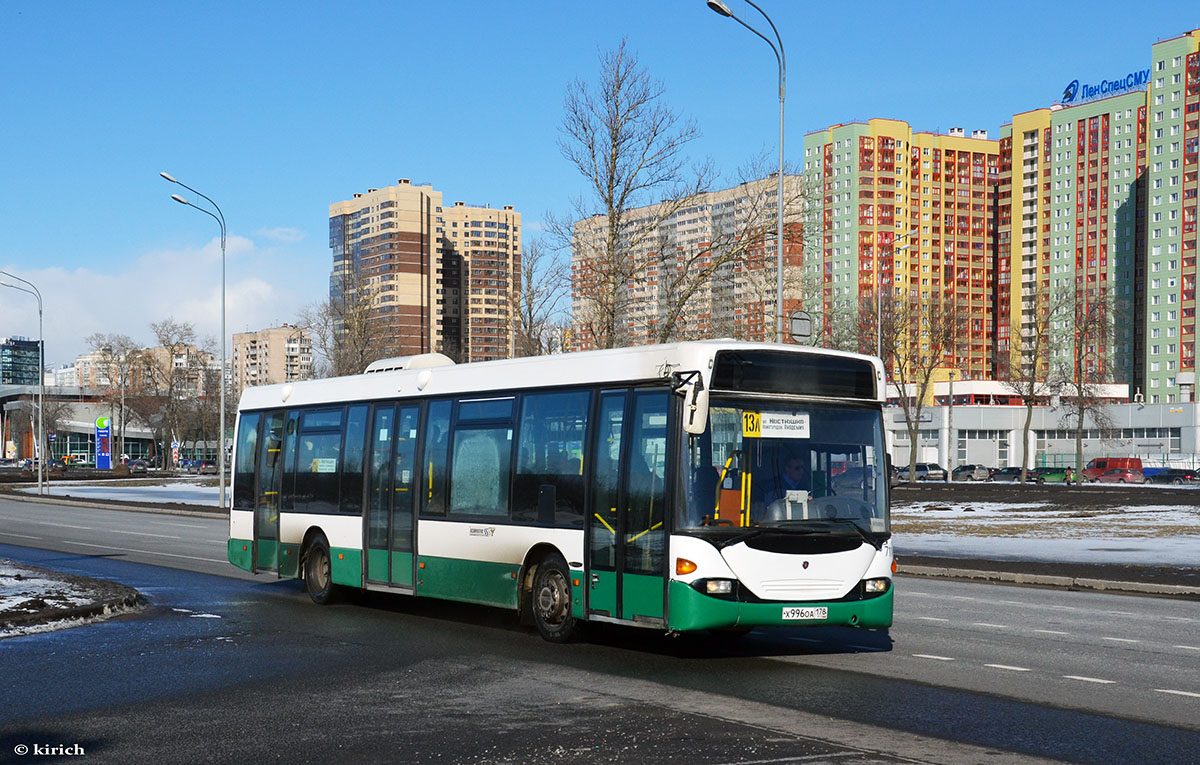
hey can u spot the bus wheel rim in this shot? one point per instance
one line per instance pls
(552, 598)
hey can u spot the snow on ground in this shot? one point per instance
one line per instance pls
(181, 492)
(1136, 534)
(20, 586)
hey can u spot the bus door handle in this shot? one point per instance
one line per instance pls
(595, 580)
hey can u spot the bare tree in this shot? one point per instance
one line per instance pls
(1025, 368)
(918, 336)
(119, 356)
(629, 147)
(345, 336)
(1081, 362)
(174, 372)
(543, 286)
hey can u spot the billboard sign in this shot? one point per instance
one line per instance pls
(1077, 92)
(103, 443)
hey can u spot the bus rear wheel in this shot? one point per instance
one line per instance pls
(551, 601)
(318, 572)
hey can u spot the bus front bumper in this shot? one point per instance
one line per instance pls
(692, 610)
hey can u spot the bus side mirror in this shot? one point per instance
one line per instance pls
(695, 411)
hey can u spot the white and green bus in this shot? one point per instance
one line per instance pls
(699, 485)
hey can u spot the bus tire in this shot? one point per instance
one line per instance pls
(550, 601)
(318, 572)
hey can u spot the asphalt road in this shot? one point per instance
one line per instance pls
(223, 667)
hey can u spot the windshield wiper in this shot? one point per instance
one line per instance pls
(822, 526)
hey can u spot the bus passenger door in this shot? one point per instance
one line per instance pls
(626, 527)
(266, 504)
(379, 493)
(390, 495)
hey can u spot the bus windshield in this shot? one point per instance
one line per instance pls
(767, 464)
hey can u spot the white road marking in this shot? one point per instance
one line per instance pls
(931, 656)
(1010, 669)
(985, 624)
(932, 619)
(869, 648)
(1089, 679)
(179, 525)
(21, 536)
(1178, 693)
(1052, 632)
(149, 552)
(64, 525)
(1120, 613)
(144, 534)
(1121, 640)
(1188, 647)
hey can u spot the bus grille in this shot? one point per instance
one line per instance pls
(799, 589)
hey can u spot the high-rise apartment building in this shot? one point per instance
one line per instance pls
(910, 214)
(20, 361)
(729, 234)
(481, 256)
(270, 356)
(423, 284)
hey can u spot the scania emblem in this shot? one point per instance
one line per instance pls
(806, 564)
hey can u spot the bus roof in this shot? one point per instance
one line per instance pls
(618, 365)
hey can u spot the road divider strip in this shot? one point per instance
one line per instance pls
(1048, 580)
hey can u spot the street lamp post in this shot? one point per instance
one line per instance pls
(40, 452)
(721, 8)
(220, 219)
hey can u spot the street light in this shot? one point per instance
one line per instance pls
(40, 452)
(220, 219)
(723, 10)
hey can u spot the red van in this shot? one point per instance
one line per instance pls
(1102, 465)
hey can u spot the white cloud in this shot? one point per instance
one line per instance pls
(283, 234)
(264, 287)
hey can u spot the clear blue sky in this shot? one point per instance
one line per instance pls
(275, 110)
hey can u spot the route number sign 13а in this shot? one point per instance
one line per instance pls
(774, 425)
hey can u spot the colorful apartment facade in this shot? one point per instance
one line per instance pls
(905, 215)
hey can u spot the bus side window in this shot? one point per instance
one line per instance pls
(352, 462)
(432, 481)
(548, 486)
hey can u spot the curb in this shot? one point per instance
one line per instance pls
(132, 600)
(1045, 580)
(73, 502)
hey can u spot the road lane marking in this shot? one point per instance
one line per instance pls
(933, 618)
(1121, 640)
(180, 525)
(1178, 693)
(149, 552)
(1007, 667)
(26, 536)
(1090, 679)
(64, 525)
(931, 656)
(985, 624)
(1052, 632)
(1188, 647)
(1120, 613)
(144, 534)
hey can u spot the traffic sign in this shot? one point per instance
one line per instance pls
(800, 326)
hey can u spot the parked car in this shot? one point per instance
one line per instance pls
(1008, 474)
(1122, 475)
(925, 471)
(137, 466)
(1097, 467)
(1177, 476)
(1052, 475)
(970, 473)
(204, 466)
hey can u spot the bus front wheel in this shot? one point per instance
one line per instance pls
(551, 601)
(318, 572)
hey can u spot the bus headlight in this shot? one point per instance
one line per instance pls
(719, 586)
(876, 586)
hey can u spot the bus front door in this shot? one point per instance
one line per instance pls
(390, 493)
(627, 537)
(266, 504)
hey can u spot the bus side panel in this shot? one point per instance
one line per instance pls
(347, 566)
(239, 553)
(473, 581)
(241, 538)
(641, 595)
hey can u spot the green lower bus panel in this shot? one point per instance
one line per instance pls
(492, 584)
(346, 566)
(641, 595)
(377, 565)
(289, 560)
(602, 595)
(691, 610)
(267, 550)
(239, 553)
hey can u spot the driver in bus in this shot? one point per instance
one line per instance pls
(792, 477)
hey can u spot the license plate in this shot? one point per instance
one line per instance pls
(805, 614)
